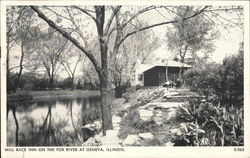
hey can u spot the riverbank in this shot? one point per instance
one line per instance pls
(144, 117)
(50, 94)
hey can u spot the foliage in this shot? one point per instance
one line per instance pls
(49, 51)
(79, 85)
(189, 136)
(132, 124)
(192, 35)
(65, 84)
(20, 36)
(223, 125)
(137, 49)
(232, 79)
(219, 82)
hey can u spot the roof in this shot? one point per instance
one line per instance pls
(169, 63)
(172, 63)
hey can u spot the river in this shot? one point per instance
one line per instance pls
(51, 122)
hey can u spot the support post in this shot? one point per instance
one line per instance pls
(166, 73)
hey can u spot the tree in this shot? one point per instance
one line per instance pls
(190, 36)
(138, 47)
(48, 53)
(104, 29)
(70, 59)
(20, 33)
(220, 82)
(196, 36)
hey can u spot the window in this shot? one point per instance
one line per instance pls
(140, 77)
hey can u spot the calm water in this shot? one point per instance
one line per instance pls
(50, 122)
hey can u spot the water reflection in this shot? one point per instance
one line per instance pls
(50, 123)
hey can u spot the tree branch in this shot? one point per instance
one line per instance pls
(86, 12)
(137, 14)
(115, 10)
(57, 14)
(69, 37)
(162, 23)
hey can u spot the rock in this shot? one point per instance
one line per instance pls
(144, 106)
(98, 125)
(167, 105)
(111, 138)
(131, 140)
(125, 114)
(116, 122)
(116, 127)
(116, 119)
(158, 113)
(158, 120)
(203, 100)
(171, 113)
(112, 133)
(151, 108)
(92, 142)
(126, 105)
(176, 131)
(90, 126)
(146, 136)
(89, 130)
(168, 94)
(87, 133)
(145, 115)
(169, 144)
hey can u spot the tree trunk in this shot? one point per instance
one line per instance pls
(20, 69)
(72, 83)
(182, 55)
(7, 65)
(105, 107)
(103, 75)
(51, 83)
(17, 125)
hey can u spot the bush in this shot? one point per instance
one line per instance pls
(232, 80)
(137, 87)
(126, 96)
(132, 124)
(219, 82)
(223, 125)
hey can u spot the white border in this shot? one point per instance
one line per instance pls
(222, 152)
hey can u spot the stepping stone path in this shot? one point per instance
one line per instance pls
(111, 138)
(146, 136)
(131, 140)
(155, 110)
(136, 140)
(145, 114)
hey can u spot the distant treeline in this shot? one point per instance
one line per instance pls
(31, 82)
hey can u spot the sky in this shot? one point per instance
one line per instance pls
(226, 45)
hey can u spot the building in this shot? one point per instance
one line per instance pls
(157, 74)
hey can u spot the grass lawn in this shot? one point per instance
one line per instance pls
(47, 94)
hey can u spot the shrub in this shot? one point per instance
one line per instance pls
(132, 124)
(223, 125)
(219, 82)
(137, 87)
(232, 80)
(189, 136)
(126, 96)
